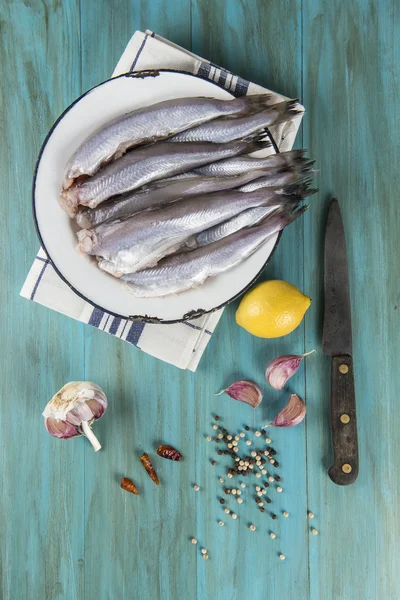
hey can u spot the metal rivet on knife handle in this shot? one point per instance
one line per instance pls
(345, 418)
(346, 468)
(344, 369)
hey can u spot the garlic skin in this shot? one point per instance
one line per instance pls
(283, 368)
(244, 391)
(293, 413)
(73, 409)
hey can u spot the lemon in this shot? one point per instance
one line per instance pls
(272, 309)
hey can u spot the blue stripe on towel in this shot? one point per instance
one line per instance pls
(96, 317)
(114, 325)
(39, 280)
(134, 333)
(139, 52)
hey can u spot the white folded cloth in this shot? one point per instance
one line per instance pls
(181, 344)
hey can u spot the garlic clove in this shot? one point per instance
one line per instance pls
(61, 429)
(292, 414)
(244, 391)
(283, 368)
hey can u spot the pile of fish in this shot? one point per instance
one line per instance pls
(167, 196)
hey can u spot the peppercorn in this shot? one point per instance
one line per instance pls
(221, 501)
(273, 516)
(276, 464)
(268, 500)
(247, 428)
(219, 452)
(262, 509)
(216, 417)
(213, 462)
(277, 478)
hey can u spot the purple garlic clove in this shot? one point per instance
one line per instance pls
(244, 391)
(293, 413)
(283, 368)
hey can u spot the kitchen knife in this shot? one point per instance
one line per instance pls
(337, 343)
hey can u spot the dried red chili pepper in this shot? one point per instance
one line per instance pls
(146, 462)
(168, 452)
(129, 486)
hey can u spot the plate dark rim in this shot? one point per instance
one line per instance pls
(196, 313)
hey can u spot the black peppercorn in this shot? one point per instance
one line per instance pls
(263, 432)
(247, 428)
(216, 417)
(276, 464)
(277, 478)
(273, 516)
(268, 500)
(227, 491)
(219, 452)
(272, 452)
(266, 483)
(213, 462)
(262, 509)
(221, 501)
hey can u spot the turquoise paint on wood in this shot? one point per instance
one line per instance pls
(68, 531)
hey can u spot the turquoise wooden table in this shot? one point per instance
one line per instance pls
(67, 530)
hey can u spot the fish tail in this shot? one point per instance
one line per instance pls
(250, 105)
(300, 189)
(255, 141)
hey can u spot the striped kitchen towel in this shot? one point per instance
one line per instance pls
(181, 344)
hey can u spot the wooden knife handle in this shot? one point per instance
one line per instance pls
(344, 424)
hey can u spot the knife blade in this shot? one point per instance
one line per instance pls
(337, 343)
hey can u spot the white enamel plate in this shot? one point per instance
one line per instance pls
(57, 231)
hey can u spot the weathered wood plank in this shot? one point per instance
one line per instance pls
(41, 499)
(351, 81)
(135, 547)
(247, 38)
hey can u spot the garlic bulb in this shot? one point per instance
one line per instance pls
(73, 409)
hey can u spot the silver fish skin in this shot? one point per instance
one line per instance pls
(247, 218)
(141, 241)
(227, 130)
(142, 166)
(181, 272)
(242, 164)
(161, 193)
(152, 123)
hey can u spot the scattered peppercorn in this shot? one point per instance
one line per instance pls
(213, 462)
(208, 438)
(226, 511)
(205, 556)
(215, 427)
(273, 516)
(221, 523)
(247, 428)
(277, 478)
(263, 432)
(221, 501)
(314, 531)
(219, 452)
(310, 515)
(268, 440)
(194, 541)
(272, 535)
(268, 500)
(285, 514)
(234, 516)
(196, 488)
(282, 556)
(276, 464)
(204, 550)
(216, 417)
(252, 527)
(262, 509)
